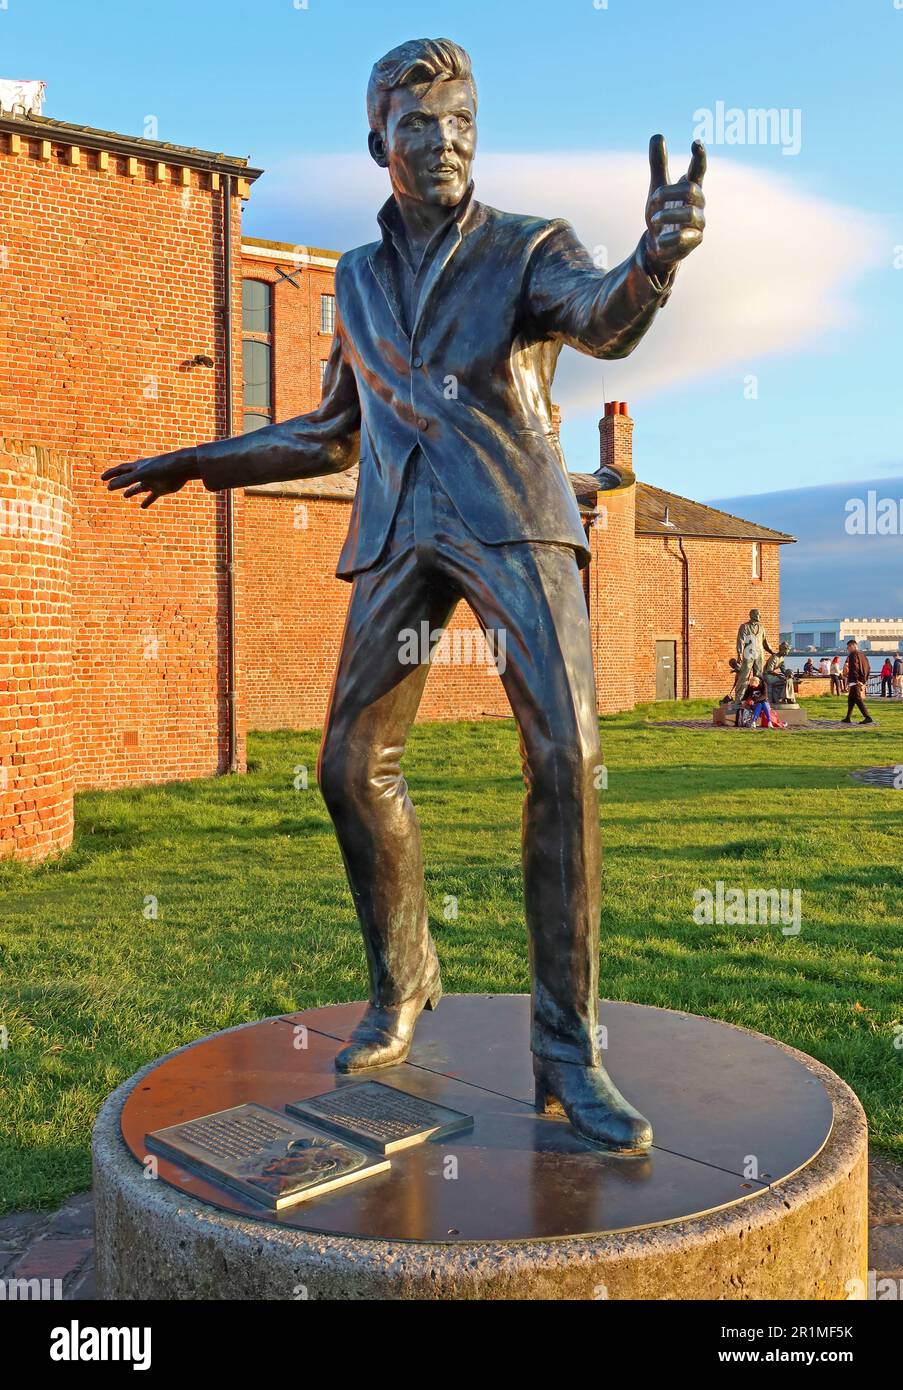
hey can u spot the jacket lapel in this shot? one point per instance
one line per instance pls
(451, 242)
(383, 267)
(382, 263)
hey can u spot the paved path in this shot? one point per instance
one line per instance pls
(60, 1245)
(878, 776)
(815, 726)
(52, 1245)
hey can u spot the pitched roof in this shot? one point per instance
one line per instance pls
(686, 518)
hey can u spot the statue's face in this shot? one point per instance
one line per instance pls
(754, 615)
(429, 141)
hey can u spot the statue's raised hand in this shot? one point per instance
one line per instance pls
(155, 476)
(675, 212)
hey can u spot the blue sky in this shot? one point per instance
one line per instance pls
(795, 285)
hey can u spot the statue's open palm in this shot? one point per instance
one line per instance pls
(154, 476)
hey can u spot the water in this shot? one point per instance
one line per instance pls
(796, 661)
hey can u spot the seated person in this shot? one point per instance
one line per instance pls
(756, 697)
(809, 668)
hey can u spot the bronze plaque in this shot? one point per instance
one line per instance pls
(267, 1156)
(380, 1117)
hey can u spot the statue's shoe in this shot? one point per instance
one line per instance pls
(593, 1104)
(384, 1035)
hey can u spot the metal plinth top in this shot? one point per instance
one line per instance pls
(733, 1114)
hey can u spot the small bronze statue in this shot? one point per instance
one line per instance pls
(463, 495)
(778, 678)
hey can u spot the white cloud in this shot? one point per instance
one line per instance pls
(775, 275)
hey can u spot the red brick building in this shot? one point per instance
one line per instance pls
(138, 646)
(669, 583)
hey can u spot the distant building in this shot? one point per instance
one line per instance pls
(815, 634)
(826, 634)
(882, 634)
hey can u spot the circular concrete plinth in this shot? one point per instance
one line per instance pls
(756, 1186)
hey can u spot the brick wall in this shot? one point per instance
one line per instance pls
(293, 615)
(722, 591)
(110, 283)
(35, 651)
(612, 599)
(293, 612)
(298, 343)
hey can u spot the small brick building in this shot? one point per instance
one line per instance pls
(138, 646)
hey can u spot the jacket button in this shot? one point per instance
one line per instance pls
(418, 361)
(423, 424)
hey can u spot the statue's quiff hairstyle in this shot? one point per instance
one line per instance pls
(411, 63)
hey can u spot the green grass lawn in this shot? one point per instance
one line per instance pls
(254, 917)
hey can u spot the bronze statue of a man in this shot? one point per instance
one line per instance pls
(752, 644)
(463, 494)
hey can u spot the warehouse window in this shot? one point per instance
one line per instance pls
(258, 382)
(257, 353)
(323, 365)
(250, 421)
(327, 313)
(756, 560)
(256, 306)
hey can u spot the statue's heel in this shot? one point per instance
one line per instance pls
(545, 1102)
(545, 1099)
(433, 997)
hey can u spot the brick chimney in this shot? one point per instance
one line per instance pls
(612, 583)
(616, 438)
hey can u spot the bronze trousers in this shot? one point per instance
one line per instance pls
(528, 599)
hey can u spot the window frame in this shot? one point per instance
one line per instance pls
(262, 413)
(757, 561)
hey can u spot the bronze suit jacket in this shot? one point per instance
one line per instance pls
(470, 384)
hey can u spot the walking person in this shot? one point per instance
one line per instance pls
(857, 671)
(836, 677)
(897, 679)
(887, 675)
